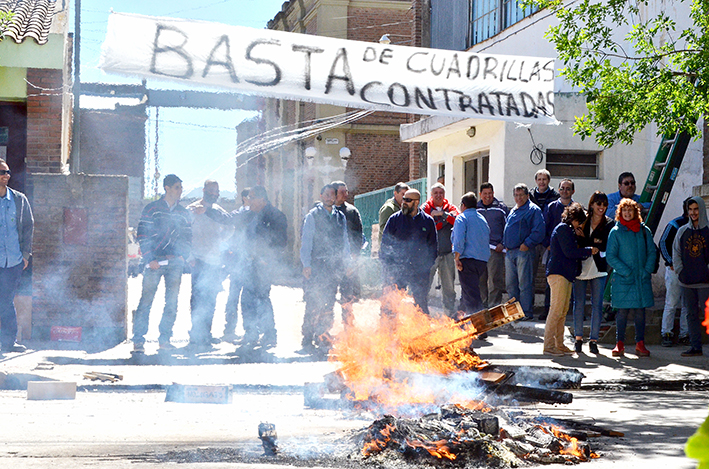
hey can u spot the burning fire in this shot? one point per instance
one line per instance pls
(378, 443)
(439, 449)
(382, 360)
(705, 323)
(572, 447)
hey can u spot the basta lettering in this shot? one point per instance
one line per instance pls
(276, 69)
(309, 51)
(225, 62)
(346, 75)
(166, 38)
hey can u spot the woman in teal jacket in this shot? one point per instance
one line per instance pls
(631, 252)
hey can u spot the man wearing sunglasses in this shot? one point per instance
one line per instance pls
(16, 230)
(409, 249)
(626, 190)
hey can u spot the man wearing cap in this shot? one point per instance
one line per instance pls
(391, 206)
(16, 230)
(409, 249)
(165, 237)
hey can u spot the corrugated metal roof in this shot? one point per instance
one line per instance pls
(32, 19)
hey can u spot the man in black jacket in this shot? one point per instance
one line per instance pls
(266, 237)
(165, 237)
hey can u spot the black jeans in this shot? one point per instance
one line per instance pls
(9, 281)
(473, 269)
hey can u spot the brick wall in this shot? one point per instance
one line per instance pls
(44, 120)
(80, 284)
(377, 161)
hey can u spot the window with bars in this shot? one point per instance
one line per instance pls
(573, 163)
(489, 17)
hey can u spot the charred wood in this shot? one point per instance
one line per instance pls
(528, 394)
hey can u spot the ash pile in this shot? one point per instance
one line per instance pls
(462, 437)
(441, 402)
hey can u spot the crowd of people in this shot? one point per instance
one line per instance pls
(494, 249)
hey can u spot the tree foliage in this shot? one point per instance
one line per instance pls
(5, 22)
(652, 72)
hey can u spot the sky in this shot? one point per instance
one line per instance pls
(195, 144)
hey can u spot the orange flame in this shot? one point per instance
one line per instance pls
(572, 448)
(438, 449)
(377, 445)
(705, 323)
(380, 357)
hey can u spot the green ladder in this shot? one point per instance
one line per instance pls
(662, 176)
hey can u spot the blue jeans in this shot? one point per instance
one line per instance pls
(151, 279)
(598, 285)
(9, 282)
(621, 322)
(519, 278)
(694, 300)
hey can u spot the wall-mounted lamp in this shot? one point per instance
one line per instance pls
(471, 132)
(345, 154)
(385, 39)
(310, 153)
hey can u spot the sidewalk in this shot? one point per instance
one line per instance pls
(129, 424)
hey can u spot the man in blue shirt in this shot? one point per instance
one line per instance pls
(409, 249)
(16, 230)
(472, 251)
(626, 190)
(524, 231)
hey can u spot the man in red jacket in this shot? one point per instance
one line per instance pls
(443, 214)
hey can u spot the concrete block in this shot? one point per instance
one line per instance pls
(47, 390)
(198, 394)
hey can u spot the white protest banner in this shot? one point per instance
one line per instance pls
(332, 71)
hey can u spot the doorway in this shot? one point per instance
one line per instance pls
(13, 141)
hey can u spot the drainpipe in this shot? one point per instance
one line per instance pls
(75, 158)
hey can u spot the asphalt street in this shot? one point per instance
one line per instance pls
(129, 424)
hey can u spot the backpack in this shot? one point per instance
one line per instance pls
(657, 251)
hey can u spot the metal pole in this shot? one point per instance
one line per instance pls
(75, 161)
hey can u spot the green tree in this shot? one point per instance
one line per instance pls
(5, 22)
(653, 72)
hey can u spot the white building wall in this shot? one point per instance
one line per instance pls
(510, 145)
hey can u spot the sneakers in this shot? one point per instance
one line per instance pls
(527, 318)
(15, 347)
(166, 346)
(683, 340)
(640, 349)
(230, 337)
(138, 347)
(692, 353)
(619, 350)
(578, 345)
(554, 353)
(593, 348)
(666, 340)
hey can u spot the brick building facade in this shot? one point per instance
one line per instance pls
(294, 176)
